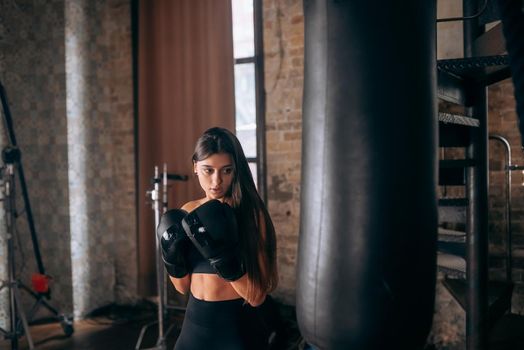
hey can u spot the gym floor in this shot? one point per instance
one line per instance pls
(118, 327)
(112, 327)
(100, 333)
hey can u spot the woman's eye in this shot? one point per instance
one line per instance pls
(208, 171)
(228, 171)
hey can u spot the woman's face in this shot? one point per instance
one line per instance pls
(215, 174)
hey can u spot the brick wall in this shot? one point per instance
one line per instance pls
(66, 66)
(503, 122)
(284, 64)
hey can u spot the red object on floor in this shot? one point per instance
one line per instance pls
(40, 282)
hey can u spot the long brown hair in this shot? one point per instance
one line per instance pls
(257, 240)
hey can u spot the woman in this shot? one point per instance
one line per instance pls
(224, 310)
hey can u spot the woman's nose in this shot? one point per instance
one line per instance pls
(217, 179)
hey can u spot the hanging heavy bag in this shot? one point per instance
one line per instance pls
(367, 248)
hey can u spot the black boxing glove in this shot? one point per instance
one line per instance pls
(173, 242)
(212, 228)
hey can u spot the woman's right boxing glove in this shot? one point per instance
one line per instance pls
(173, 242)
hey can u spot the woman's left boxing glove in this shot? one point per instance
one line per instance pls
(212, 228)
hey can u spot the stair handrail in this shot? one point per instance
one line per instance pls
(478, 14)
(508, 167)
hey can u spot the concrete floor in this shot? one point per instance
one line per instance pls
(97, 334)
(119, 328)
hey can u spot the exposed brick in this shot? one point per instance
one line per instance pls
(293, 135)
(297, 19)
(283, 47)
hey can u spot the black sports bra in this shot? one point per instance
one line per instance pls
(197, 263)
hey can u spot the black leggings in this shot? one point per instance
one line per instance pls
(221, 325)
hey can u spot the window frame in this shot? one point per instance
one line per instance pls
(260, 98)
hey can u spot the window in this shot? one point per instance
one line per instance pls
(247, 46)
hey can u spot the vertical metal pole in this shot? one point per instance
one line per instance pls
(159, 268)
(155, 198)
(260, 99)
(164, 209)
(10, 251)
(477, 189)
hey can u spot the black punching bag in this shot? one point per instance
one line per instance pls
(367, 249)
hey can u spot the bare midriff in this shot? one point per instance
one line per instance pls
(211, 287)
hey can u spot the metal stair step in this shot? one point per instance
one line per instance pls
(499, 296)
(453, 202)
(453, 248)
(447, 235)
(452, 172)
(451, 118)
(485, 70)
(454, 129)
(451, 265)
(451, 177)
(456, 163)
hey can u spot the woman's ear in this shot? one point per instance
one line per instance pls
(195, 168)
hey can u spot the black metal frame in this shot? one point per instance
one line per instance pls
(477, 190)
(260, 97)
(8, 120)
(40, 298)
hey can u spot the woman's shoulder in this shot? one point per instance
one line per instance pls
(192, 205)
